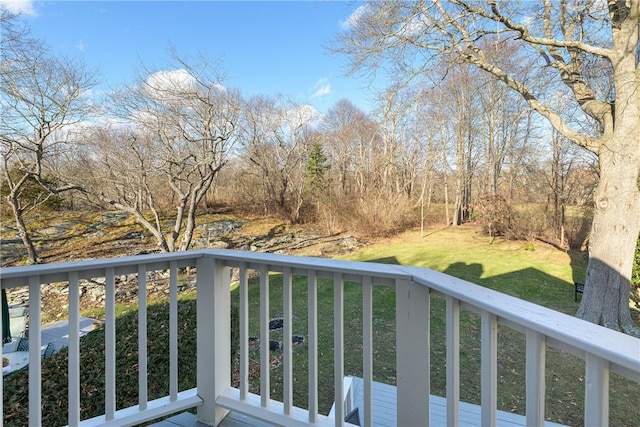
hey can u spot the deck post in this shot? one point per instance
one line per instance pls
(412, 354)
(214, 337)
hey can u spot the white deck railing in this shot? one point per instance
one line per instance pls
(603, 350)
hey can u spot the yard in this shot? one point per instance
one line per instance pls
(539, 274)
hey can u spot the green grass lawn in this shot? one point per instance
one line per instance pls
(92, 367)
(544, 276)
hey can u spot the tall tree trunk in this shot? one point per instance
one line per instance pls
(461, 182)
(18, 215)
(445, 183)
(614, 234)
(616, 221)
(195, 198)
(157, 233)
(469, 170)
(177, 225)
(32, 254)
(188, 232)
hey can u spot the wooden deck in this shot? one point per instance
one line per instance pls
(187, 419)
(384, 412)
(58, 332)
(55, 334)
(384, 409)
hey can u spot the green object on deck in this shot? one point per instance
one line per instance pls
(6, 327)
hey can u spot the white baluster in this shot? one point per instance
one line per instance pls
(173, 331)
(535, 380)
(74, 350)
(244, 331)
(489, 369)
(110, 345)
(312, 295)
(453, 361)
(142, 337)
(265, 361)
(596, 391)
(367, 350)
(287, 349)
(35, 368)
(338, 348)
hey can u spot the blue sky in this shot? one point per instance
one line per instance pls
(266, 47)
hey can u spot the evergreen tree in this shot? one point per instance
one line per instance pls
(316, 170)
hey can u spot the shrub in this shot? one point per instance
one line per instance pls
(33, 194)
(495, 215)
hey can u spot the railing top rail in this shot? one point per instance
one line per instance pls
(14, 276)
(619, 348)
(49, 273)
(358, 268)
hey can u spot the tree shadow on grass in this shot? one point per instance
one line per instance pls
(387, 260)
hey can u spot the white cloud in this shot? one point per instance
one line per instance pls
(19, 6)
(414, 27)
(80, 46)
(322, 87)
(322, 91)
(174, 87)
(301, 115)
(174, 80)
(169, 86)
(352, 20)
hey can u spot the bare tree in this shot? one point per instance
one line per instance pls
(179, 129)
(562, 164)
(346, 129)
(564, 36)
(41, 96)
(276, 140)
(433, 118)
(398, 157)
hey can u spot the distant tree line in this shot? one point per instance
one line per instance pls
(176, 140)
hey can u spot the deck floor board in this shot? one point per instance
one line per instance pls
(384, 409)
(384, 412)
(187, 419)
